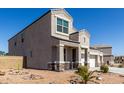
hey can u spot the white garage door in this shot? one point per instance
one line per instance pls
(82, 58)
(92, 63)
(82, 61)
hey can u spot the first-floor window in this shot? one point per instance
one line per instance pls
(82, 55)
(30, 53)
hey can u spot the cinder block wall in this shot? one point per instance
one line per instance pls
(8, 62)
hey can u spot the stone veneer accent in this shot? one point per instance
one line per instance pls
(63, 66)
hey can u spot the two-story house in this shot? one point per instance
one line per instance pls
(51, 42)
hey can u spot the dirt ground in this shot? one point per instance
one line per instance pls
(30, 76)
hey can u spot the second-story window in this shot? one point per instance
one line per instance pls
(84, 40)
(62, 26)
(22, 38)
(15, 44)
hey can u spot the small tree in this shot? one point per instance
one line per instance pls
(85, 74)
(2, 53)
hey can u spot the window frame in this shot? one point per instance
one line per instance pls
(84, 39)
(15, 44)
(82, 56)
(22, 38)
(67, 27)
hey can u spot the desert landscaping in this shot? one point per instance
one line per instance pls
(30, 76)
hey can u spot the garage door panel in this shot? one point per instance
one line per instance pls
(92, 62)
(82, 61)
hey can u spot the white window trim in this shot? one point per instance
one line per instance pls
(62, 33)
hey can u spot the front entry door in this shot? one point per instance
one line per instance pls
(73, 55)
(73, 65)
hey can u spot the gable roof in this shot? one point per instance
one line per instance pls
(101, 46)
(73, 41)
(85, 32)
(62, 9)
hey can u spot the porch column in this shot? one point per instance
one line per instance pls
(61, 53)
(97, 60)
(86, 56)
(79, 55)
(102, 61)
(60, 57)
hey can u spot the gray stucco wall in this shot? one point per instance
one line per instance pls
(37, 44)
(74, 36)
(106, 50)
(109, 59)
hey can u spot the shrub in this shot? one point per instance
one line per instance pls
(85, 74)
(104, 68)
(120, 66)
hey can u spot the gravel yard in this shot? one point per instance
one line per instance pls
(30, 76)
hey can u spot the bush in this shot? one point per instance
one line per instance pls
(104, 68)
(120, 66)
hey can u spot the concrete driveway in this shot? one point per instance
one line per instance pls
(111, 69)
(117, 70)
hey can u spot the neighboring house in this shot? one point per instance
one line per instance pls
(51, 42)
(108, 58)
(119, 59)
(95, 56)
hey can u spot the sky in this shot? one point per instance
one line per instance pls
(106, 26)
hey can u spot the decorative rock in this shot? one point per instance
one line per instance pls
(73, 82)
(11, 70)
(99, 78)
(2, 73)
(99, 74)
(33, 77)
(61, 70)
(51, 82)
(121, 75)
(17, 72)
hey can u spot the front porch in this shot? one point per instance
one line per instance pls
(64, 57)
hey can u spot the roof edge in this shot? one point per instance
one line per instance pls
(66, 40)
(63, 10)
(74, 33)
(30, 24)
